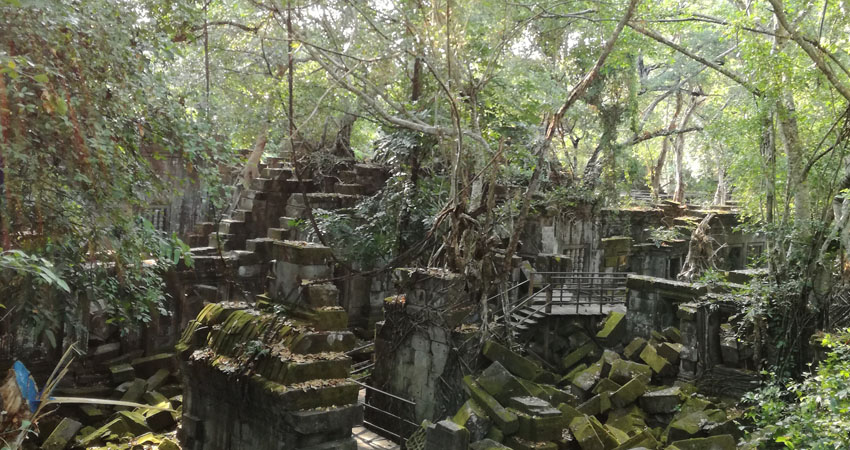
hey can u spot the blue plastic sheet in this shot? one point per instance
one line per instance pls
(26, 384)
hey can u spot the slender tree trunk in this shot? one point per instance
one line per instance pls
(655, 172)
(721, 192)
(679, 193)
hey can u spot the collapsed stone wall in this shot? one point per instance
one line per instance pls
(422, 350)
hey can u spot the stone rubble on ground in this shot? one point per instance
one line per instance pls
(601, 400)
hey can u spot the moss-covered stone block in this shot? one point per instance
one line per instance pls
(62, 434)
(149, 365)
(518, 443)
(629, 393)
(577, 355)
(657, 362)
(505, 420)
(567, 379)
(591, 435)
(661, 401)
(606, 385)
(623, 371)
(584, 381)
(513, 362)
(685, 426)
(135, 422)
(720, 442)
(613, 329)
(598, 404)
(473, 417)
(501, 384)
(487, 444)
(633, 349)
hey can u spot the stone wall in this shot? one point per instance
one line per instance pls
(652, 303)
(419, 347)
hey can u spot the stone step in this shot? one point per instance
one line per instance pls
(246, 204)
(244, 215)
(524, 320)
(204, 228)
(205, 250)
(288, 223)
(276, 161)
(350, 188)
(244, 257)
(328, 367)
(230, 226)
(223, 241)
(312, 342)
(196, 240)
(278, 173)
(278, 234)
(348, 176)
(261, 246)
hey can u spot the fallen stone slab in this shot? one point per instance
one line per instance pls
(630, 392)
(720, 442)
(541, 428)
(136, 423)
(147, 366)
(446, 435)
(613, 329)
(567, 379)
(513, 362)
(670, 352)
(657, 362)
(487, 444)
(662, 401)
(686, 426)
(606, 385)
(532, 406)
(122, 373)
(504, 419)
(134, 393)
(672, 334)
(608, 358)
(158, 379)
(632, 351)
(591, 435)
(518, 443)
(577, 355)
(623, 371)
(630, 419)
(501, 384)
(557, 396)
(473, 417)
(62, 434)
(598, 404)
(585, 380)
(643, 440)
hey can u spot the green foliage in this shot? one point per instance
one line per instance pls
(813, 413)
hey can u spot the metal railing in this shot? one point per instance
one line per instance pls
(396, 410)
(579, 289)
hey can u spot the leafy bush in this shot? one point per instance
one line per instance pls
(811, 414)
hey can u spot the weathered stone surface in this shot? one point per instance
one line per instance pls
(623, 371)
(557, 396)
(91, 414)
(585, 380)
(608, 358)
(591, 435)
(567, 379)
(606, 385)
(117, 426)
(157, 379)
(501, 384)
(321, 294)
(446, 435)
(577, 355)
(504, 419)
(630, 392)
(301, 253)
(720, 442)
(320, 420)
(473, 417)
(688, 425)
(670, 352)
(62, 434)
(147, 366)
(598, 404)
(540, 428)
(516, 364)
(632, 351)
(532, 406)
(518, 443)
(487, 444)
(168, 444)
(121, 373)
(135, 422)
(672, 334)
(657, 362)
(135, 391)
(613, 329)
(643, 440)
(159, 420)
(627, 419)
(322, 341)
(662, 401)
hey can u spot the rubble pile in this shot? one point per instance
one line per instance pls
(605, 396)
(151, 381)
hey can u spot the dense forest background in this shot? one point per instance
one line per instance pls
(567, 102)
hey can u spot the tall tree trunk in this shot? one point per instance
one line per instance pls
(658, 168)
(679, 193)
(789, 135)
(342, 143)
(721, 192)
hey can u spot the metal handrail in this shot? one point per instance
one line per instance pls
(400, 420)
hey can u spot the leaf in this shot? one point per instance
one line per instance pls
(41, 78)
(61, 106)
(50, 337)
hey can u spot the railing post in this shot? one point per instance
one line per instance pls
(549, 293)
